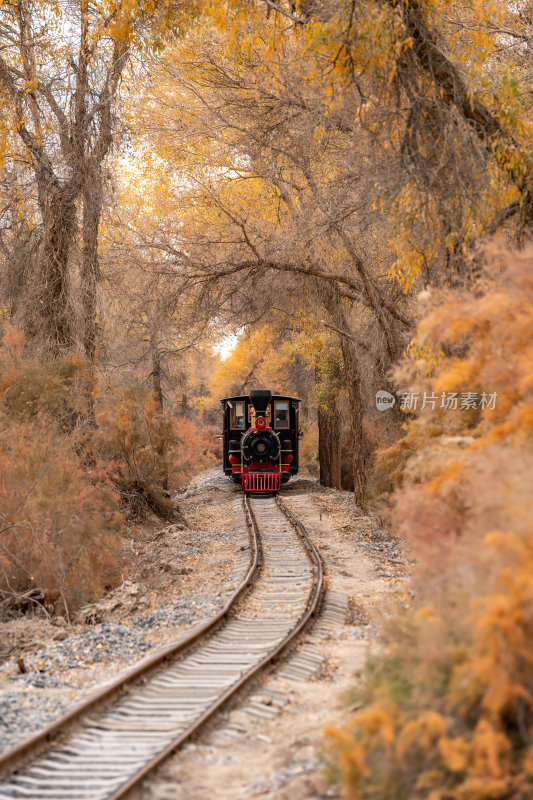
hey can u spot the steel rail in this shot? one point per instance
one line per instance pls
(315, 556)
(312, 607)
(11, 759)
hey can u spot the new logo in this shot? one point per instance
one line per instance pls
(384, 400)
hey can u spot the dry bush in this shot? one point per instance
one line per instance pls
(151, 453)
(58, 511)
(196, 450)
(136, 438)
(59, 520)
(64, 476)
(448, 704)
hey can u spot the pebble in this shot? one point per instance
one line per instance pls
(24, 715)
(109, 641)
(29, 709)
(285, 775)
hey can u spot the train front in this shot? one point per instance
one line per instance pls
(259, 459)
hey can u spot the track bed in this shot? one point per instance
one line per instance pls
(112, 751)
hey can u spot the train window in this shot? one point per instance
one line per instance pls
(281, 414)
(237, 415)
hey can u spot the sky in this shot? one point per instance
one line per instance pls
(226, 345)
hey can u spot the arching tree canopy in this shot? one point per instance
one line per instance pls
(346, 189)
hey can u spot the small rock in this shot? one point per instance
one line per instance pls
(265, 699)
(60, 636)
(305, 753)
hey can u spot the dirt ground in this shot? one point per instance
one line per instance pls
(161, 571)
(49, 664)
(270, 743)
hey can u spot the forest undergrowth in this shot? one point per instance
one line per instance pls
(76, 463)
(448, 695)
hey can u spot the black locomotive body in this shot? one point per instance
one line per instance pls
(260, 439)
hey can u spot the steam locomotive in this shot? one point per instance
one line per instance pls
(260, 439)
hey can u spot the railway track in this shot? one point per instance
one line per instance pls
(108, 745)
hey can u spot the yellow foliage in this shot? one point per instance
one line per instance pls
(375, 720)
(454, 752)
(424, 732)
(253, 362)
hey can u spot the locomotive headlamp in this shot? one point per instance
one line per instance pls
(260, 422)
(260, 446)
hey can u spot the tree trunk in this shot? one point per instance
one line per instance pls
(52, 313)
(161, 445)
(90, 273)
(353, 384)
(90, 270)
(333, 303)
(156, 377)
(20, 260)
(329, 457)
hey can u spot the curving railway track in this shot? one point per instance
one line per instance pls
(106, 746)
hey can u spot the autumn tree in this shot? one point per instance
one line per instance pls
(276, 196)
(438, 88)
(60, 72)
(158, 326)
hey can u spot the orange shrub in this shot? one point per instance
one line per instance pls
(448, 703)
(137, 439)
(62, 476)
(58, 518)
(196, 449)
(59, 515)
(152, 454)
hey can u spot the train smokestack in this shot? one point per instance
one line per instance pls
(260, 399)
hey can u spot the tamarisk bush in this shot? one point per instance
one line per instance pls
(448, 707)
(59, 512)
(66, 484)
